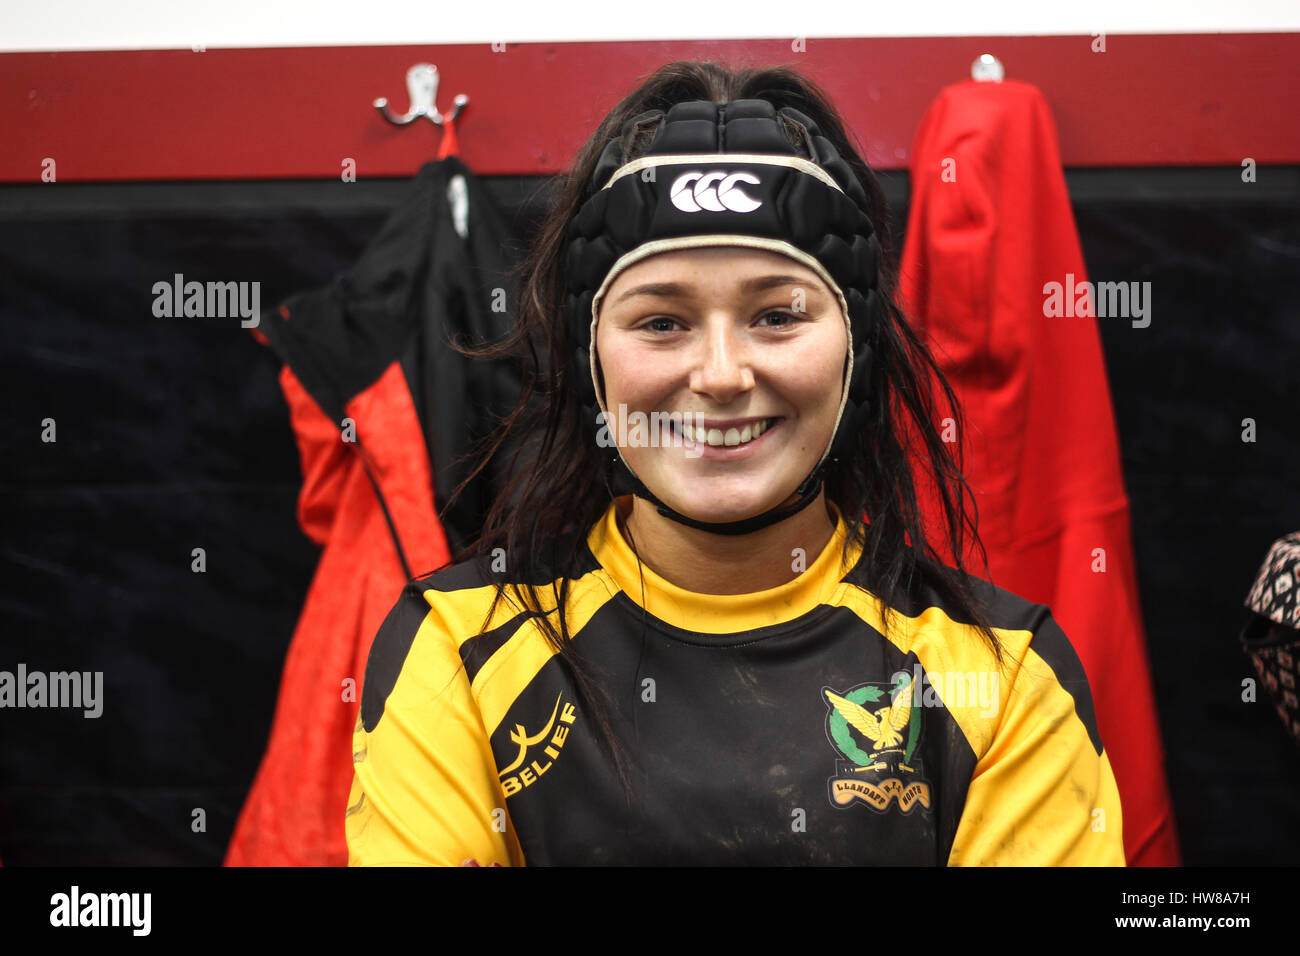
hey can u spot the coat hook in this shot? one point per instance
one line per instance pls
(987, 69)
(422, 88)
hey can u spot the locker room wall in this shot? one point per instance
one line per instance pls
(172, 434)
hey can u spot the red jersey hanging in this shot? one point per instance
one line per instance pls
(990, 236)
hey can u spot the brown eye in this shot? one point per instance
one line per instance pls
(651, 325)
(780, 314)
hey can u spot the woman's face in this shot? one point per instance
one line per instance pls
(742, 336)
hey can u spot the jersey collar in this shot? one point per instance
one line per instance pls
(718, 613)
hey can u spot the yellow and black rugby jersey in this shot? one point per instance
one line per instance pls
(777, 727)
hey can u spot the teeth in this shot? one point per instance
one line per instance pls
(733, 436)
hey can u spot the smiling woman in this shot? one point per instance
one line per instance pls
(728, 336)
(738, 645)
(728, 347)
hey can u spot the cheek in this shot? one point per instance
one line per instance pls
(815, 374)
(633, 374)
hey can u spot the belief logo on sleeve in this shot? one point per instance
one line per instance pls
(877, 734)
(556, 729)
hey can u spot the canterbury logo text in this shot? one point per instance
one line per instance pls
(714, 191)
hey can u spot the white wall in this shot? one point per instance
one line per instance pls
(154, 24)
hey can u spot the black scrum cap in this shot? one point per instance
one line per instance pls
(739, 173)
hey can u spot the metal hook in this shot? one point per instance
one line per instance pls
(987, 69)
(422, 89)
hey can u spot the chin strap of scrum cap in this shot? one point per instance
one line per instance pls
(739, 173)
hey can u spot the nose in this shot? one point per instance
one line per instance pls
(723, 368)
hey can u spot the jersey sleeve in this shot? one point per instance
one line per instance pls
(425, 790)
(1043, 793)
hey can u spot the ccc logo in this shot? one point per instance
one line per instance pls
(714, 191)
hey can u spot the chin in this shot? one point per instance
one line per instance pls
(722, 505)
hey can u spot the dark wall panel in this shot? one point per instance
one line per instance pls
(172, 434)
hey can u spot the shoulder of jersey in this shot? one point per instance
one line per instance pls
(469, 588)
(1022, 625)
(482, 573)
(1005, 610)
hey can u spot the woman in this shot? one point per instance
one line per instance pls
(677, 640)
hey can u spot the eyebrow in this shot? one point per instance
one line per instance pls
(668, 290)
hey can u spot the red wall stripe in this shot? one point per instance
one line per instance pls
(1167, 100)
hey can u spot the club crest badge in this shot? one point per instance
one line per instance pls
(876, 730)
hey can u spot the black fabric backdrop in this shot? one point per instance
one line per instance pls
(172, 434)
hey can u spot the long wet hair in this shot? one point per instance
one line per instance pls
(562, 486)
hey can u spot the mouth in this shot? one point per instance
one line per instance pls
(722, 440)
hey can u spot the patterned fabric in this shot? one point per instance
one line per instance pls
(1271, 639)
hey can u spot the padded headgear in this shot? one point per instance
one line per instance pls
(740, 173)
